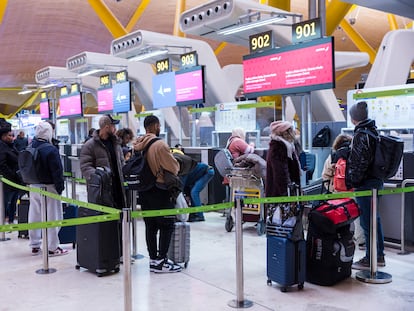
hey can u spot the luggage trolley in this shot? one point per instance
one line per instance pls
(244, 184)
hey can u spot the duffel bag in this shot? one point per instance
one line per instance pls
(330, 215)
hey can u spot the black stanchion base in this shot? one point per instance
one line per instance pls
(240, 304)
(46, 271)
(374, 278)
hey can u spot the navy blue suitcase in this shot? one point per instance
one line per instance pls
(286, 262)
(68, 234)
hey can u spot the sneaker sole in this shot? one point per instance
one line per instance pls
(169, 271)
(59, 254)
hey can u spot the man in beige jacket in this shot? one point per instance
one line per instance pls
(160, 159)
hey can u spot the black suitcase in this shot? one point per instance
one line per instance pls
(179, 250)
(23, 216)
(68, 234)
(98, 245)
(329, 256)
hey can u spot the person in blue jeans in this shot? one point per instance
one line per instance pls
(360, 177)
(194, 182)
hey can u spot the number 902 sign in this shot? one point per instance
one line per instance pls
(261, 41)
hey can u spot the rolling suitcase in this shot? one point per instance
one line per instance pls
(68, 234)
(98, 245)
(23, 216)
(329, 255)
(286, 247)
(179, 250)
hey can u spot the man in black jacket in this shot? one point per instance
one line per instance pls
(359, 177)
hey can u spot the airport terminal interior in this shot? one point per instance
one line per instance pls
(205, 68)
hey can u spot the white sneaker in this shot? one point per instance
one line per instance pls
(58, 252)
(164, 266)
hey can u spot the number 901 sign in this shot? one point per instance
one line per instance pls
(307, 30)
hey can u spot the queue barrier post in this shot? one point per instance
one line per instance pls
(2, 212)
(126, 248)
(45, 269)
(373, 275)
(240, 302)
(135, 255)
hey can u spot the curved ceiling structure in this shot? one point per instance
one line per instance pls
(43, 33)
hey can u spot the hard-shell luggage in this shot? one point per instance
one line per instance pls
(98, 245)
(68, 234)
(329, 256)
(286, 247)
(179, 250)
(23, 216)
(286, 262)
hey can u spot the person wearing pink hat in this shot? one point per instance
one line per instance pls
(283, 165)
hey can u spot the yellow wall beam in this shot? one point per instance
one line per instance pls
(28, 102)
(280, 4)
(344, 74)
(335, 12)
(392, 21)
(137, 15)
(179, 8)
(108, 18)
(357, 39)
(220, 48)
(3, 6)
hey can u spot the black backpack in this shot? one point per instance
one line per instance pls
(137, 172)
(99, 187)
(322, 138)
(388, 154)
(29, 164)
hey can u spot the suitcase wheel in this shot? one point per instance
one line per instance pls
(229, 223)
(300, 286)
(269, 282)
(283, 289)
(77, 267)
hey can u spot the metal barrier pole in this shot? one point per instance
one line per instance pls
(126, 246)
(2, 212)
(403, 185)
(135, 254)
(43, 208)
(240, 302)
(73, 183)
(372, 275)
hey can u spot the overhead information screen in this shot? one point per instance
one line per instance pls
(70, 104)
(105, 100)
(44, 106)
(291, 69)
(163, 90)
(189, 84)
(122, 97)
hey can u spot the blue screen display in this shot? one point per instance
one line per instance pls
(121, 97)
(163, 90)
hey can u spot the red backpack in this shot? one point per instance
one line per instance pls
(339, 176)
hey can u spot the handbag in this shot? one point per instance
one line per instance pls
(181, 202)
(330, 215)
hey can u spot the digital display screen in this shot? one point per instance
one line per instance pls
(163, 90)
(291, 69)
(105, 100)
(44, 110)
(71, 105)
(189, 85)
(121, 94)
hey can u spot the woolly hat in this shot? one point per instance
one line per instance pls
(44, 131)
(359, 111)
(278, 127)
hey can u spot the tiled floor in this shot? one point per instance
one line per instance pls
(209, 282)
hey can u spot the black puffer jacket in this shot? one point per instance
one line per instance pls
(361, 155)
(8, 163)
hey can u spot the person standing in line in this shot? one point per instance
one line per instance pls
(104, 150)
(358, 176)
(126, 135)
(21, 141)
(159, 159)
(8, 169)
(50, 174)
(283, 166)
